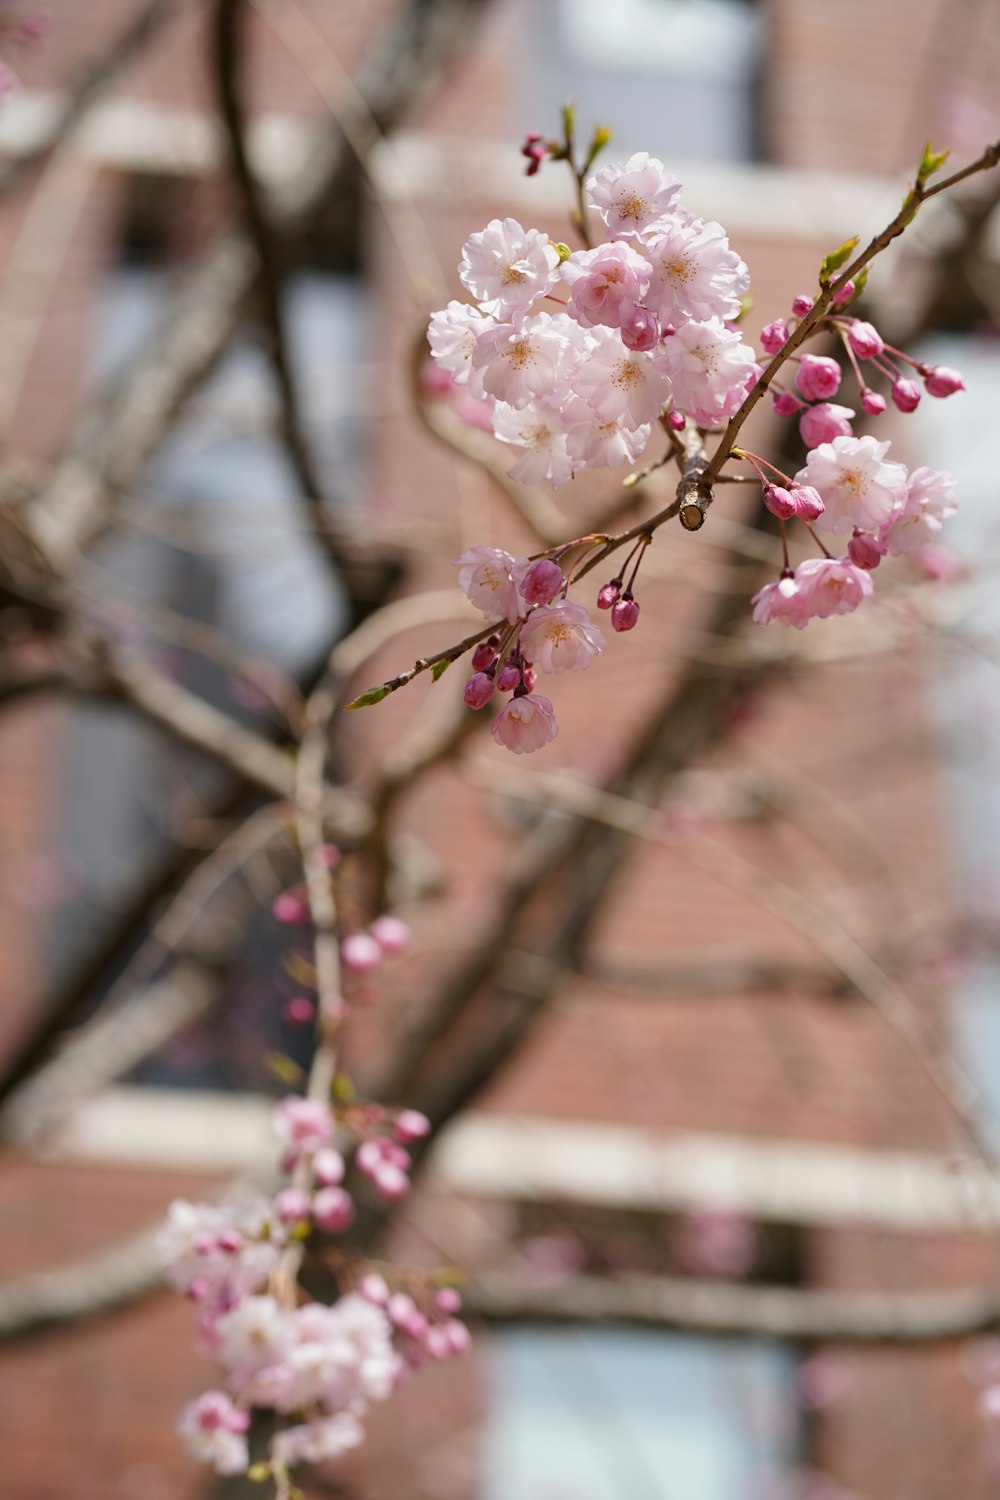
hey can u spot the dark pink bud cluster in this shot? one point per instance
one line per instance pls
(422, 1315)
(798, 502)
(535, 149)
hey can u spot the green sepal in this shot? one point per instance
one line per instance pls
(932, 161)
(600, 138)
(836, 259)
(568, 115)
(440, 668)
(284, 1068)
(563, 251)
(342, 1089)
(365, 700)
(258, 1473)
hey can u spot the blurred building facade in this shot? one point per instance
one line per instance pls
(809, 1146)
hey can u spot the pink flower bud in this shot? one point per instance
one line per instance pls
(360, 953)
(411, 1125)
(542, 581)
(865, 339)
(530, 678)
(608, 595)
(938, 563)
(640, 331)
(230, 1241)
(779, 502)
(845, 294)
(823, 423)
(508, 678)
(906, 394)
(774, 336)
(866, 550)
(872, 402)
(478, 690)
(484, 656)
(291, 909)
(329, 856)
(808, 502)
(818, 377)
(390, 1181)
(369, 1157)
(448, 1299)
(374, 1289)
(438, 1342)
(401, 1308)
(785, 404)
(328, 1167)
(332, 1209)
(802, 305)
(676, 420)
(291, 1205)
(299, 1011)
(391, 934)
(625, 615)
(458, 1336)
(942, 381)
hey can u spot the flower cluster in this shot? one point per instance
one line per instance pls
(577, 354)
(318, 1367)
(541, 630)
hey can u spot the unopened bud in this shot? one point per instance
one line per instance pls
(779, 502)
(542, 581)
(609, 595)
(625, 615)
(942, 381)
(808, 502)
(906, 394)
(508, 677)
(484, 656)
(865, 339)
(676, 420)
(845, 294)
(774, 336)
(478, 690)
(865, 550)
(802, 305)
(785, 404)
(872, 403)
(640, 330)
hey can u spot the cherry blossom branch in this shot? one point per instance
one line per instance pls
(829, 288)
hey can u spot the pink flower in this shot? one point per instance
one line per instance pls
(506, 267)
(938, 563)
(291, 908)
(865, 339)
(453, 335)
(818, 377)
(391, 934)
(785, 404)
(598, 444)
(491, 579)
(606, 284)
(696, 276)
(525, 724)
(822, 423)
(872, 402)
(781, 601)
(630, 196)
(860, 489)
(561, 638)
(801, 305)
(332, 1209)
(303, 1124)
(619, 385)
(539, 428)
(800, 501)
(213, 1429)
(832, 586)
(360, 953)
(519, 363)
(930, 500)
(708, 366)
(942, 381)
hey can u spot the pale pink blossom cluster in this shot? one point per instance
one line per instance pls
(318, 1367)
(541, 630)
(867, 497)
(577, 354)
